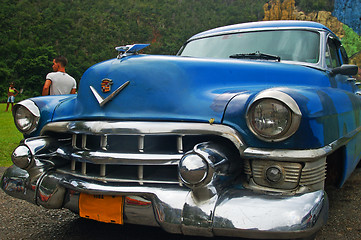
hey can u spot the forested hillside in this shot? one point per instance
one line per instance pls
(33, 32)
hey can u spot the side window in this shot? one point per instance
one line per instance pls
(344, 56)
(332, 59)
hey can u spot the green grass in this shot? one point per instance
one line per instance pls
(9, 136)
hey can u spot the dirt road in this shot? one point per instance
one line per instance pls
(22, 220)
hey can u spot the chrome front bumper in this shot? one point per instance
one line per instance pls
(235, 211)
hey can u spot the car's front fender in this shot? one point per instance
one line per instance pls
(328, 114)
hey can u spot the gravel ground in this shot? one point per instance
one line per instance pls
(22, 220)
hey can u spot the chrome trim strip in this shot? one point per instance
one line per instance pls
(244, 30)
(141, 182)
(287, 155)
(102, 101)
(119, 158)
(96, 95)
(307, 155)
(144, 128)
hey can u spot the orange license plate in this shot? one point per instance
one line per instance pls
(102, 208)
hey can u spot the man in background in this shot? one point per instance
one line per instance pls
(59, 82)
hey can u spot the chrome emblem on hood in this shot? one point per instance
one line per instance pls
(103, 101)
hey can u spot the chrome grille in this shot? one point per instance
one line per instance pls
(139, 152)
(147, 174)
(129, 143)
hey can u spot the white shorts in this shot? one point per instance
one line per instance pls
(11, 99)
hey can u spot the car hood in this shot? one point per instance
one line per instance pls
(171, 88)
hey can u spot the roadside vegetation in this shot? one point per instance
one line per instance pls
(351, 41)
(33, 32)
(10, 136)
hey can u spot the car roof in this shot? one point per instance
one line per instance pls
(260, 25)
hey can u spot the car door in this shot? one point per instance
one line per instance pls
(336, 56)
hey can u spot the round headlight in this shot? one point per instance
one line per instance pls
(273, 116)
(23, 119)
(26, 116)
(269, 118)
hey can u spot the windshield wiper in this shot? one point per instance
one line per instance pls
(256, 55)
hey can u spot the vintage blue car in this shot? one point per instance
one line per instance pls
(236, 136)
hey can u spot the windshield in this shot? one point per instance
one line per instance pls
(289, 45)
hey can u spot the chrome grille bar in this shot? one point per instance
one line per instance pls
(102, 170)
(73, 164)
(102, 175)
(104, 142)
(140, 174)
(83, 168)
(73, 141)
(120, 158)
(180, 144)
(101, 128)
(120, 180)
(141, 143)
(83, 141)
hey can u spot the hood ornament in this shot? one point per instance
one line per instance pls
(130, 49)
(103, 101)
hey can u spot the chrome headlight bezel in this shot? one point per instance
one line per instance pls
(26, 116)
(284, 101)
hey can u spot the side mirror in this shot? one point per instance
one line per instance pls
(345, 69)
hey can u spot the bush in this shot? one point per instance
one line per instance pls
(351, 41)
